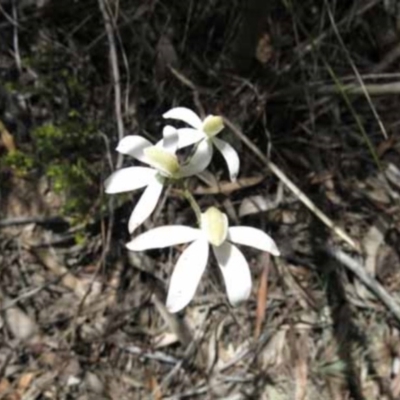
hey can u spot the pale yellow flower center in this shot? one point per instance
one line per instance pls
(215, 225)
(213, 125)
(162, 160)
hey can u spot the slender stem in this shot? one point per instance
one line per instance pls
(193, 203)
(188, 195)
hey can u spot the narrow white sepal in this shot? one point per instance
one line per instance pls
(170, 139)
(230, 155)
(199, 161)
(133, 145)
(164, 236)
(189, 136)
(235, 271)
(146, 204)
(127, 179)
(187, 274)
(253, 237)
(186, 115)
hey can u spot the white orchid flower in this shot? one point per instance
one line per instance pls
(205, 132)
(164, 164)
(191, 264)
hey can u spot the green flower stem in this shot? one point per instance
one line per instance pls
(193, 203)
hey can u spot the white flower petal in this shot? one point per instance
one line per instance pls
(146, 205)
(133, 145)
(186, 115)
(199, 161)
(253, 237)
(170, 139)
(164, 236)
(230, 155)
(235, 271)
(187, 274)
(127, 179)
(189, 136)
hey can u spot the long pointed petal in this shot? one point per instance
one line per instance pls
(186, 115)
(189, 136)
(235, 271)
(164, 236)
(187, 274)
(199, 161)
(127, 179)
(133, 145)
(230, 155)
(170, 139)
(145, 205)
(253, 237)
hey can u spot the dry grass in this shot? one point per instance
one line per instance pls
(314, 87)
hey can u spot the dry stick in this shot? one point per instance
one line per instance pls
(115, 72)
(150, 354)
(17, 55)
(8, 17)
(30, 220)
(372, 284)
(374, 89)
(109, 28)
(117, 101)
(292, 187)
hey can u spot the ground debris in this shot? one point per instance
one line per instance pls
(313, 88)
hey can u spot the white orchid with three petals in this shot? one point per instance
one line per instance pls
(191, 264)
(205, 131)
(164, 165)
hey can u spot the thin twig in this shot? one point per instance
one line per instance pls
(109, 27)
(292, 187)
(8, 17)
(30, 220)
(372, 284)
(354, 89)
(150, 355)
(30, 293)
(373, 89)
(305, 48)
(17, 55)
(108, 24)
